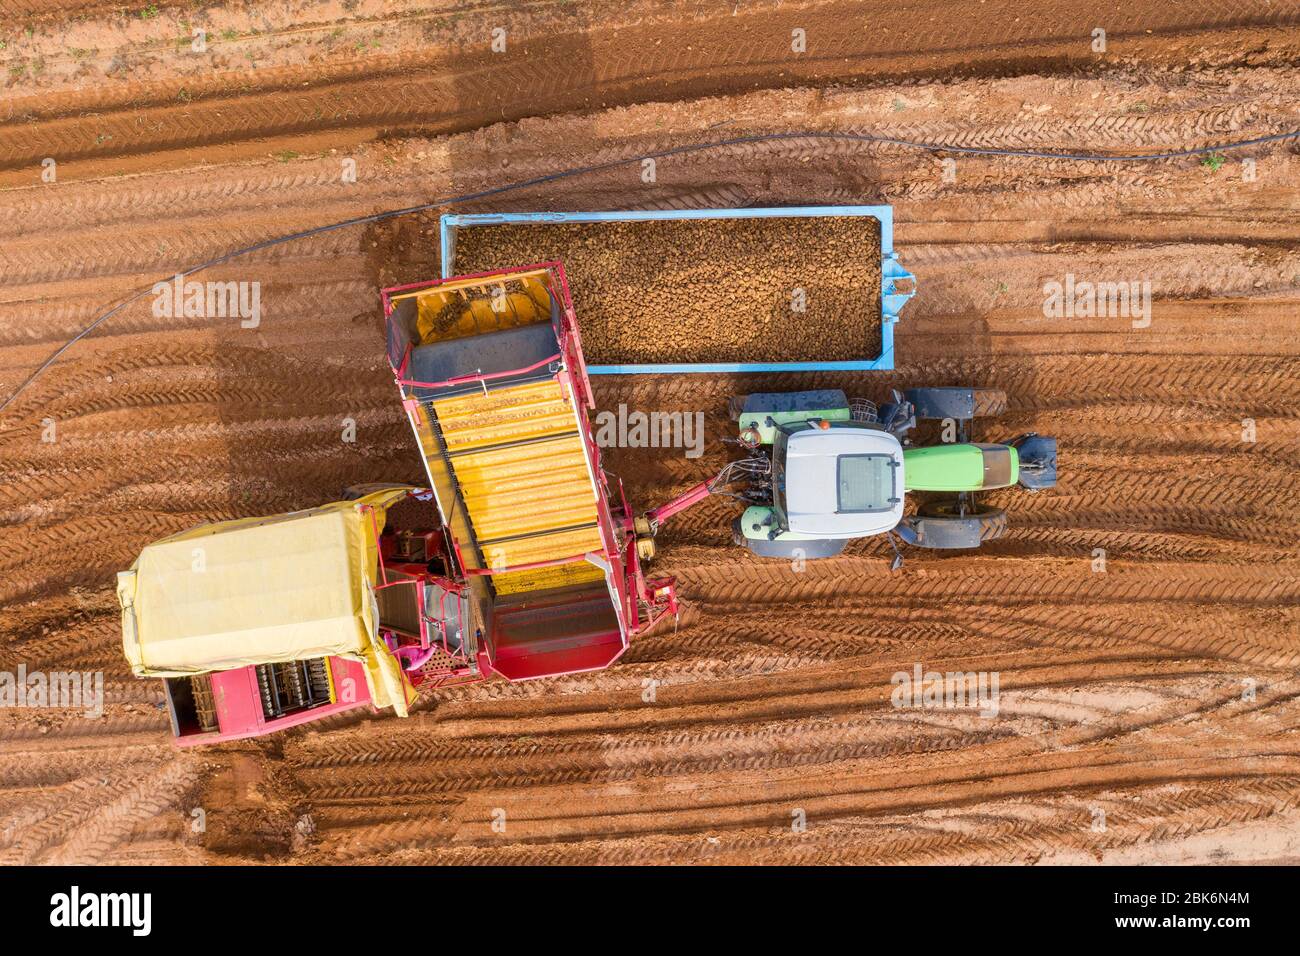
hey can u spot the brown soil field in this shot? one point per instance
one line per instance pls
(745, 290)
(1142, 616)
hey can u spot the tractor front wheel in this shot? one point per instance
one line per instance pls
(796, 550)
(989, 402)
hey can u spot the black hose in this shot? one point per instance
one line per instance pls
(616, 163)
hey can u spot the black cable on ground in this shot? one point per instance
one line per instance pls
(616, 163)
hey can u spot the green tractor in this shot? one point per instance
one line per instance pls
(825, 470)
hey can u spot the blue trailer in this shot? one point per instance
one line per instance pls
(896, 284)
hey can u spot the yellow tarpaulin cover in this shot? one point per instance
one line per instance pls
(264, 590)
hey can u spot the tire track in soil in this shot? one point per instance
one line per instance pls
(726, 51)
(385, 833)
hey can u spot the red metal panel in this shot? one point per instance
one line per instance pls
(239, 706)
(350, 685)
(592, 655)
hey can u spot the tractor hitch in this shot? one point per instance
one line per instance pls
(1037, 460)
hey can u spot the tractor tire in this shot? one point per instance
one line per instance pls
(992, 521)
(763, 548)
(989, 402)
(958, 403)
(805, 550)
(993, 525)
(736, 406)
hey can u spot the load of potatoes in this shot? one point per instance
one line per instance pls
(783, 289)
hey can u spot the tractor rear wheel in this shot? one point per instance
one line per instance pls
(958, 403)
(992, 521)
(989, 402)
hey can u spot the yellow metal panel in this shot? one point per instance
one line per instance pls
(519, 413)
(473, 306)
(536, 486)
(519, 496)
(550, 547)
(519, 582)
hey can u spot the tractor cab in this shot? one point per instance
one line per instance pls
(837, 479)
(829, 473)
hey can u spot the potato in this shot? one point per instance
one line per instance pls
(694, 290)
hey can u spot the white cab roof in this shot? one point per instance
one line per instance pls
(839, 481)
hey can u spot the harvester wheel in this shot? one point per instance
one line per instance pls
(736, 406)
(645, 548)
(641, 525)
(992, 521)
